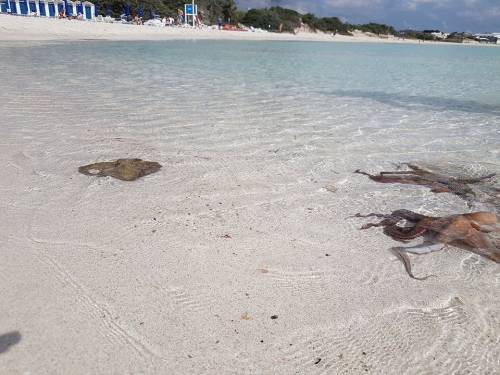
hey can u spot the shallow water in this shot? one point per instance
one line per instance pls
(249, 134)
(353, 106)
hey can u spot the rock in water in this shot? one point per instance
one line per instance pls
(122, 169)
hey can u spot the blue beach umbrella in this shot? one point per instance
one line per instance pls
(128, 10)
(96, 10)
(140, 12)
(106, 11)
(66, 7)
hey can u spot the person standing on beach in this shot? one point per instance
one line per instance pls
(180, 17)
(219, 23)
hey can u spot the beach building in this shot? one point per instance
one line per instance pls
(48, 8)
(488, 38)
(440, 35)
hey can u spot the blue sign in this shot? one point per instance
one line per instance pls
(189, 9)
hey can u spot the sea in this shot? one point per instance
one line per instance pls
(253, 214)
(368, 106)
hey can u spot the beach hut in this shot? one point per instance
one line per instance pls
(51, 8)
(42, 8)
(13, 7)
(88, 10)
(71, 8)
(23, 7)
(4, 6)
(79, 8)
(60, 9)
(43, 5)
(33, 6)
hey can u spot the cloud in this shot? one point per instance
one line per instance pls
(305, 4)
(453, 15)
(479, 14)
(354, 3)
(413, 5)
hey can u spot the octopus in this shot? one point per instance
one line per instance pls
(122, 169)
(438, 183)
(471, 231)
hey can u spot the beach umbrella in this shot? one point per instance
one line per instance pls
(106, 11)
(140, 12)
(128, 10)
(96, 10)
(66, 7)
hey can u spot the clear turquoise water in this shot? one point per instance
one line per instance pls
(438, 77)
(355, 105)
(411, 77)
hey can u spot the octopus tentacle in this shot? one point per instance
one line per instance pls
(438, 183)
(384, 223)
(369, 215)
(384, 173)
(404, 234)
(405, 259)
(359, 171)
(474, 180)
(418, 170)
(409, 215)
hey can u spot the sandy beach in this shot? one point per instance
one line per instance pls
(44, 29)
(239, 256)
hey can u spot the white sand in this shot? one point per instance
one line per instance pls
(14, 28)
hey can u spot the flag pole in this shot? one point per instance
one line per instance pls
(193, 12)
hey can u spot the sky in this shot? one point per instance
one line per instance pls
(445, 15)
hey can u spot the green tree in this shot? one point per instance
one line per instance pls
(273, 19)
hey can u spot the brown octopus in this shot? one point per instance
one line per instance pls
(438, 183)
(122, 169)
(467, 231)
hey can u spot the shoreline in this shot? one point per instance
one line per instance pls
(29, 29)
